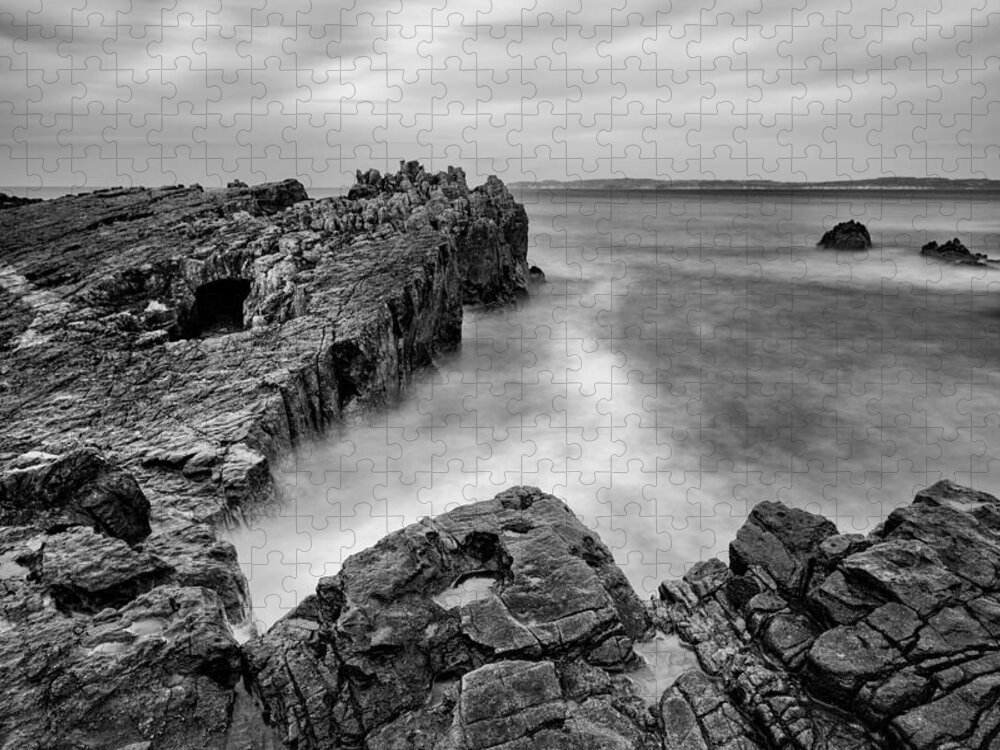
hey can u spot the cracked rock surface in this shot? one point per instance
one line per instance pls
(378, 655)
(842, 641)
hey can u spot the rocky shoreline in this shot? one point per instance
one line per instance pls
(164, 351)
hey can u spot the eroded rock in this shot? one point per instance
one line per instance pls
(196, 336)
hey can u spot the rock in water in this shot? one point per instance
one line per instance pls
(953, 251)
(847, 235)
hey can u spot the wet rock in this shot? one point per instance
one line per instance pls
(697, 715)
(196, 336)
(378, 633)
(847, 235)
(953, 251)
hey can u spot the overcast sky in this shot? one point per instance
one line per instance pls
(96, 92)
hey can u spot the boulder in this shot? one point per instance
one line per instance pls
(847, 235)
(86, 572)
(953, 251)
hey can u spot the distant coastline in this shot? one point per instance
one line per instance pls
(896, 185)
(893, 184)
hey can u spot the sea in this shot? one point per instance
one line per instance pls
(690, 354)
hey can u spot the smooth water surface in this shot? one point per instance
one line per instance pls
(689, 356)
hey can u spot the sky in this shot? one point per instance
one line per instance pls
(121, 92)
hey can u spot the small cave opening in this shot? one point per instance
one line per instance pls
(217, 309)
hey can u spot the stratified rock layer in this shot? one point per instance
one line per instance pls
(899, 629)
(847, 235)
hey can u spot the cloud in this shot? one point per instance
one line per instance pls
(122, 94)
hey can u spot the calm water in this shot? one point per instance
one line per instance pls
(690, 355)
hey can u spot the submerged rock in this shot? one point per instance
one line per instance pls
(847, 235)
(953, 251)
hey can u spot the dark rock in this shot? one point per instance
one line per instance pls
(163, 671)
(536, 276)
(696, 714)
(196, 336)
(899, 629)
(385, 631)
(782, 541)
(87, 572)
(953, 251)
(847, 235)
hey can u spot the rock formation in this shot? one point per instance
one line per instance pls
(847, 235)
(953, 251)
(841, 641)
(162, 349)
(389, 654)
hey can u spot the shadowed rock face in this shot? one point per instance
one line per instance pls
(847, 235)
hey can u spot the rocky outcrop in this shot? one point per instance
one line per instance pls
(390, 651)
(164, 349)
(896, 632)
(847, 235)
(953, 251)
(489, 227)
